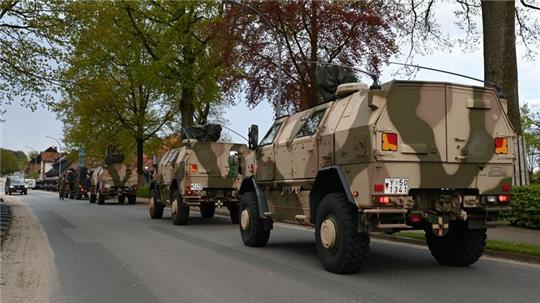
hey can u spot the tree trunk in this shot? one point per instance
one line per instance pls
(140, 151)
(500, 63)
(187, 108)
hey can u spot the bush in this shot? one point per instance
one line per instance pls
(525, 206)
(143, 192)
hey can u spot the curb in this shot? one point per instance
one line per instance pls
(5, 220)
(487, 252)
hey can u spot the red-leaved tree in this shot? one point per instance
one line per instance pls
(352, 33)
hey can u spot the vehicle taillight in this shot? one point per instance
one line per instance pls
(189, 192)
(389, 142)
(382, 199)
(504, 198)
(501, 145)
(193, 168)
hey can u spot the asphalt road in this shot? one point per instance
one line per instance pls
(116, 253)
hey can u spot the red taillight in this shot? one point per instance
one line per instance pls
(504, 198)
(506, 187)
(189, 192)
(193, 168)
(383, 199)
(501, 145)
(415, 219)
(389, 141)
(378, 187)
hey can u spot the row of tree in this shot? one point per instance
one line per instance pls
(12, 161)
(130, 72)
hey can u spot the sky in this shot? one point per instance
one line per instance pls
(26, 130)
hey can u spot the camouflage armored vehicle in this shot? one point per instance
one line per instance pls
(115, 179)
(407, 155)
(201, 173)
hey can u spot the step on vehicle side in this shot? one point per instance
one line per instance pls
(409, 155)
(201, 173)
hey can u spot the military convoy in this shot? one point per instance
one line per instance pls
(406, 155)
(114, 179)
(201, 173)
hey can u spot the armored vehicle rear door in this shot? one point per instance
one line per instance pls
(476, 124)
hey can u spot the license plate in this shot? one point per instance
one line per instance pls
(396, 186)
(196, 186)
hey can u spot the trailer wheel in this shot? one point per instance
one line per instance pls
(251, 224)
(121, 199)
(132, 199)
(234, 213)
(92, 198)
(154, 206)
(460, 246)
(179, 211)
(207, 210)
(340, 247)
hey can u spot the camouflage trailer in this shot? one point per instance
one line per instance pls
(201, 174)
(409, 155)
(113, 180)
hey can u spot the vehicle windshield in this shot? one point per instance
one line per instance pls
(17, 182)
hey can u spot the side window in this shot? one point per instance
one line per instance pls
(271, 134)
(309, 126)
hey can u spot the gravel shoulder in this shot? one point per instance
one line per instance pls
(27, 268)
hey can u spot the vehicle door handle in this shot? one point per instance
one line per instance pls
(461, 157)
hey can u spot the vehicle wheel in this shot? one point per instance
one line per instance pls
(71, 196)
(132, 199)
(78, 197)
(155, 207)
(25, 192)
(100, 198)
(179, 211)
(207, 210)
(251, 224)
(121, 199)
(340, 247)
(234, 213)
(92, 198)
(460, 246)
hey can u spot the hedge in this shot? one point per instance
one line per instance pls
(525, 206)
(143, 192)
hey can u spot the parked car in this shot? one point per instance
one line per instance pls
(30, 183)
(15, 185)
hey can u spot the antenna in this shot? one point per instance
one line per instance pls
(374, 77)
(496, 86)
(237, 133)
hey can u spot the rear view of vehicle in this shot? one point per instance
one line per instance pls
(408, 155)
(82, 183)
(203, 174)
(114, 181)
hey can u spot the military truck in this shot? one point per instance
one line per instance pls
(115, 179)
(201, 173)
(406, 155)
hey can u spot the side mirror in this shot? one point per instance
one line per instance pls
(253, 137)
(155, 160)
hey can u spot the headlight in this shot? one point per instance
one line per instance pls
(11, 186)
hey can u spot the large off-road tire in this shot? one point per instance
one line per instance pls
(100, 198)
(234, 213)
(92, 198)
(460, 246)
(251, 224)
(121, 199)
(154, 206)
(132, 199)
(179, 211)
(207, 210)
(340, 247)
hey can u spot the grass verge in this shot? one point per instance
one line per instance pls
(498, 245)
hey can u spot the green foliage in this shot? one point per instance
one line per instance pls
(530, 122)
(143, 192)
(12, 161)
(525, 206)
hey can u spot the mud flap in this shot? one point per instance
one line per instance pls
(263, 206)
